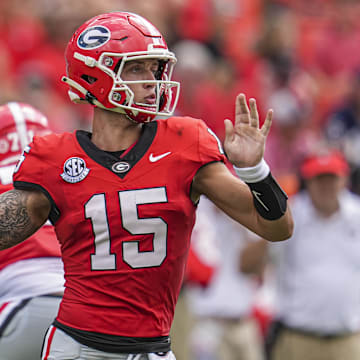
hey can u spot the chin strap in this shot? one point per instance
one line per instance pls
(89, 98)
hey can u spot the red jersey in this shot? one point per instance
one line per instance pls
(42, 244)
(124, 223)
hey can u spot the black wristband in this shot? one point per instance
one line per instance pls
(270, 199)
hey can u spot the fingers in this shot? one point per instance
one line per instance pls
(229, 129)
(241, 110)
(251, 117)
(254, 115)
(267, 123)
(242, 113)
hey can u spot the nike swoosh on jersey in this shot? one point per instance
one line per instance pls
(154, 158)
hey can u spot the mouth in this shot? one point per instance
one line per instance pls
(150, 100)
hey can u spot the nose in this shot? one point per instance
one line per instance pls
(151, 77)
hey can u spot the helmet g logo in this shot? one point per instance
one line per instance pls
(93, 37)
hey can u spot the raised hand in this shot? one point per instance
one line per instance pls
(244, 140)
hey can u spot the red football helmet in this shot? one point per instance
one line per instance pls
(18, 124)
(95, 58)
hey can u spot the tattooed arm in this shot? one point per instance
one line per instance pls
(22, 212)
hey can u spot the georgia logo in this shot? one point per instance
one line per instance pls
(93, 37)
(120, 167)
(75, 170)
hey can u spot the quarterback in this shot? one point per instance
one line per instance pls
(123, 197)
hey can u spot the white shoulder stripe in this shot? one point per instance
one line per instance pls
(19, 122)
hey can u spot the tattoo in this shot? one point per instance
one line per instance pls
(15, 222)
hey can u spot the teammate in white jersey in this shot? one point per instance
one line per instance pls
(31, 273)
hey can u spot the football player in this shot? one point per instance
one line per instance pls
(123, 197)
(31, 273)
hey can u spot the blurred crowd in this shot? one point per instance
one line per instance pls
(299, 57)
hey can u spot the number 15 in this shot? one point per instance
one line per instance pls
(95, 210)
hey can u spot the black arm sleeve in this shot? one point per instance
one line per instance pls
(270, 200)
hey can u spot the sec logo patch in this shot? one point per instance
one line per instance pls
(75, 170)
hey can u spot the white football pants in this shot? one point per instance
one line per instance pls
(60, 346)
(24, 328)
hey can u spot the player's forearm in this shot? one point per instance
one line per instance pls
(276, 230)
(271, 230)
(269, 200)
(235, 198)
(16, 223)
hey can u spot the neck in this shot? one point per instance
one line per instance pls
(327, 210)
(112, 131)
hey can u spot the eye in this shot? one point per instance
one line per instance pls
(133, 68)
(136, 68)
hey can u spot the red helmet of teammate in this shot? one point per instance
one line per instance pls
(18, 124)
(97, 53)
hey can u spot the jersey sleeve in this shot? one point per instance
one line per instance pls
(209, 146)
(33, 171)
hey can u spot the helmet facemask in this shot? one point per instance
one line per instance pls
(120, 94)
(96, 56)
(123, 97)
